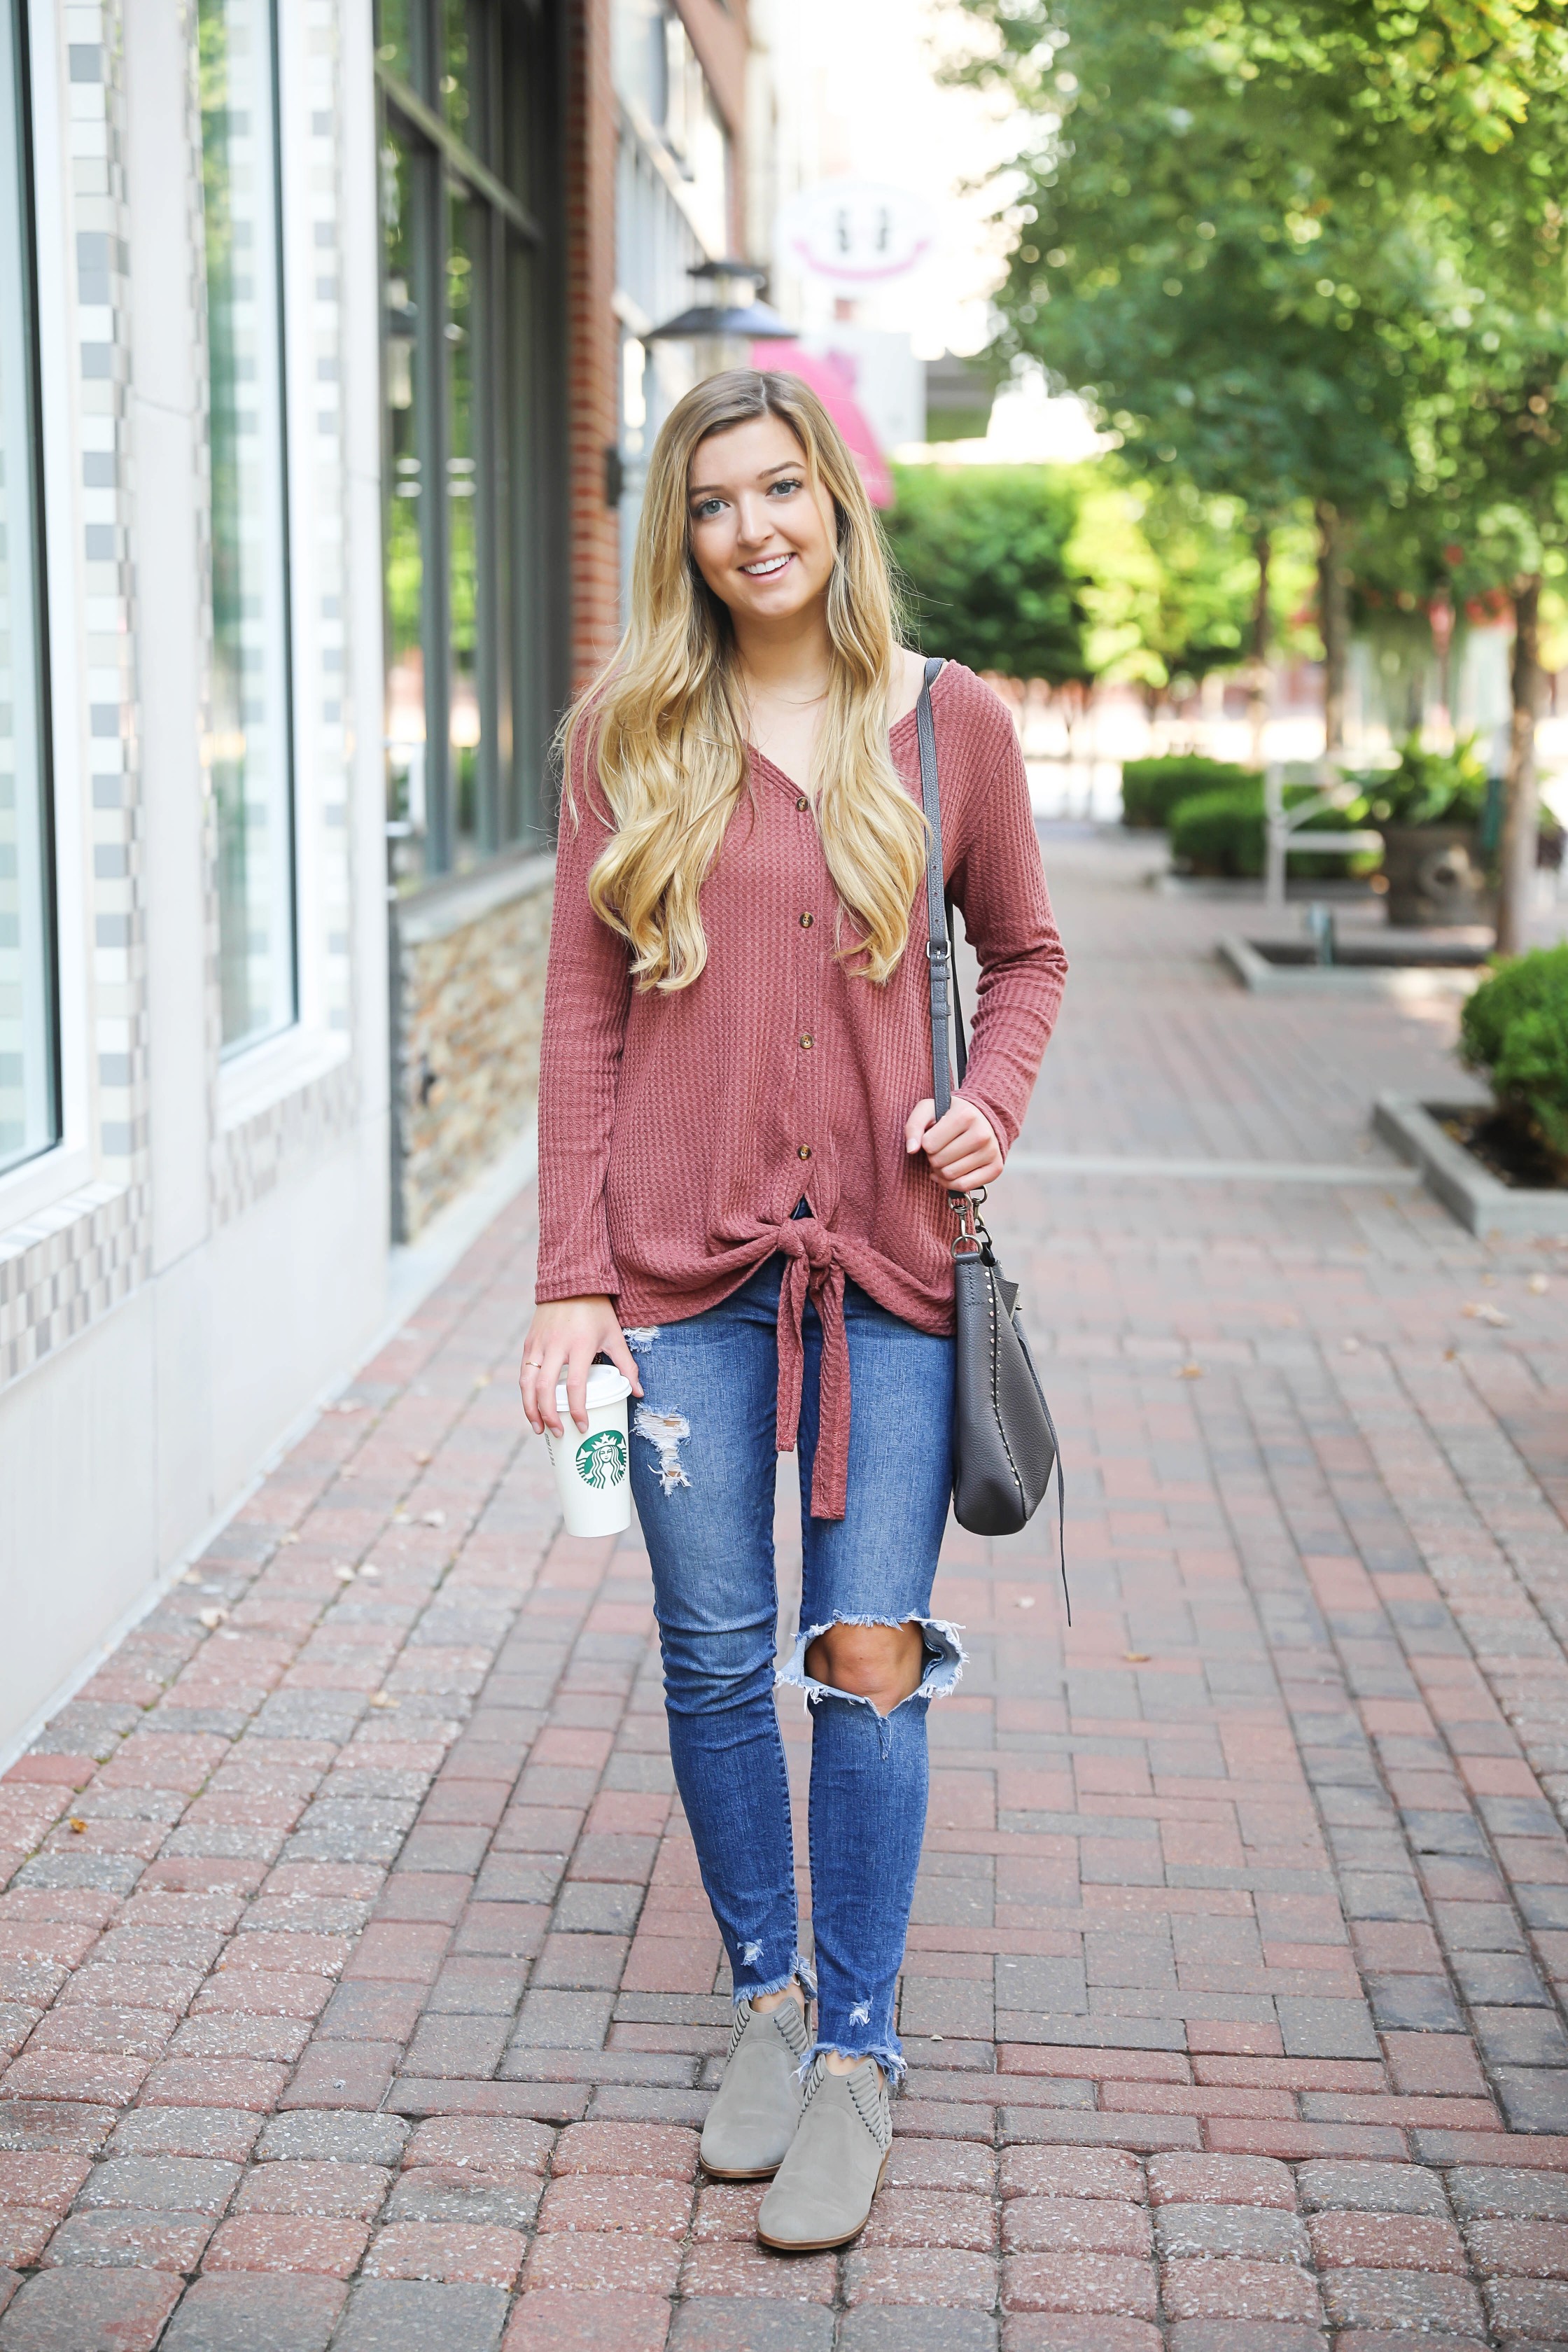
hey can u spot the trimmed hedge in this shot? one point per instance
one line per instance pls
(1515, 1028)
(1220, 833)
(1152, 789)
(1223, 833)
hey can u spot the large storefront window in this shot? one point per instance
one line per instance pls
(29, 1091)
(466, 139)
(251, 716)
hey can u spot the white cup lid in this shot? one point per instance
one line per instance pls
(606, 1385)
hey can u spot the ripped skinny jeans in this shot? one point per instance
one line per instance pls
(703, 1466)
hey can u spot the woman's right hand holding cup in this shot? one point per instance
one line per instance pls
(563, 1339)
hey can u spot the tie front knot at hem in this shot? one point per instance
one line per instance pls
(813, 1271)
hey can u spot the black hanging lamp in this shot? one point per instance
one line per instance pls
(732, 313)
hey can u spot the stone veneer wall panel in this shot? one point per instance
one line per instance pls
(473, 999)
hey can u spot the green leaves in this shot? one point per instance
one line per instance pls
(984, 549)
(1170, 575)
(1288, 249)
(1085, 571)
(1153, 788)
(1427, 787)
(1515, 1028)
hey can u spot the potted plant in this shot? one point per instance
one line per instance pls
(1428, 809)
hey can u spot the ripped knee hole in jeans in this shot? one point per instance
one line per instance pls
(942, 1664)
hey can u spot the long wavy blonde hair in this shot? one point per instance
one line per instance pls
(663, 727)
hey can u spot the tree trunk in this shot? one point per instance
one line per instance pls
(1522, 799)
(1333, 621)
(1258, 704)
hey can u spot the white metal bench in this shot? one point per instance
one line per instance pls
(1282, 825)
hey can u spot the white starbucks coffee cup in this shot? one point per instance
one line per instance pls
(592, 1471)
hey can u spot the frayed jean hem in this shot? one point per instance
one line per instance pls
(798, 1973)
(893, 2062)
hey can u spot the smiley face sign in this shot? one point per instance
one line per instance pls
(857, 232)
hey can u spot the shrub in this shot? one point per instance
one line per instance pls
(1223, 833)
(1427, 787)
(1220, 832)
(1151, 789)
(1515, 1028)
(984, 550)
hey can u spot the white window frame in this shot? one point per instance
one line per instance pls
(279, 898)
(68, 1165)
(252, 1078)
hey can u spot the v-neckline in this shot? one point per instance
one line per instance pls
(894, 731)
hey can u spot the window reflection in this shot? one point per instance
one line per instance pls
(394, 46)
(469, 654)
(251, 749)
(404, 555)
(465, 727)
(457, 102)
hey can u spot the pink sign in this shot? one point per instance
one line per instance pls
(831, 382)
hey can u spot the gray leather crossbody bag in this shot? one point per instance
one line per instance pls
(1004, 1439)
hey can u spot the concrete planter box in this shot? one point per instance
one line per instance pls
(1479, 1199)
(1411, 983)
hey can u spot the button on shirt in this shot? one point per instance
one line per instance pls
(674, 1127)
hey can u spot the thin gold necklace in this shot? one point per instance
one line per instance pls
(790, 702)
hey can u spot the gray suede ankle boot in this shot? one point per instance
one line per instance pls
(822, 2192)
(754, 2119)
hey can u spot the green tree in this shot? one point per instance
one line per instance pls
(1169, 576)
(1311, 247)
(1182, 261)
(983, 553)
(1200, 544)
(1461, 80)
(1494, 449)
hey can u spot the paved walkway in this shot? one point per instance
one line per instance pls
(358, 1984)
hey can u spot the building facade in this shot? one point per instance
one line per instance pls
(314, 434)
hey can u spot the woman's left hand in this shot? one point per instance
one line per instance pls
(962, 1148)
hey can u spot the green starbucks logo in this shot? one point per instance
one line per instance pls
(602, 1460)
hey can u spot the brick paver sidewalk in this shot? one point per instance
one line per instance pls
(359, 1987)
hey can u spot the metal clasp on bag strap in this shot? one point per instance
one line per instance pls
(972, 1240)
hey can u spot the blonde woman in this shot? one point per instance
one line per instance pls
(744, 1204)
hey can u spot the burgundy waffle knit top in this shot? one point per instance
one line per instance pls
(679, 1133)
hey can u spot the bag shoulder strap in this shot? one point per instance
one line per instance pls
(939, 955)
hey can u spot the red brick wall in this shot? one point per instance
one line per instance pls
(593, 343)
